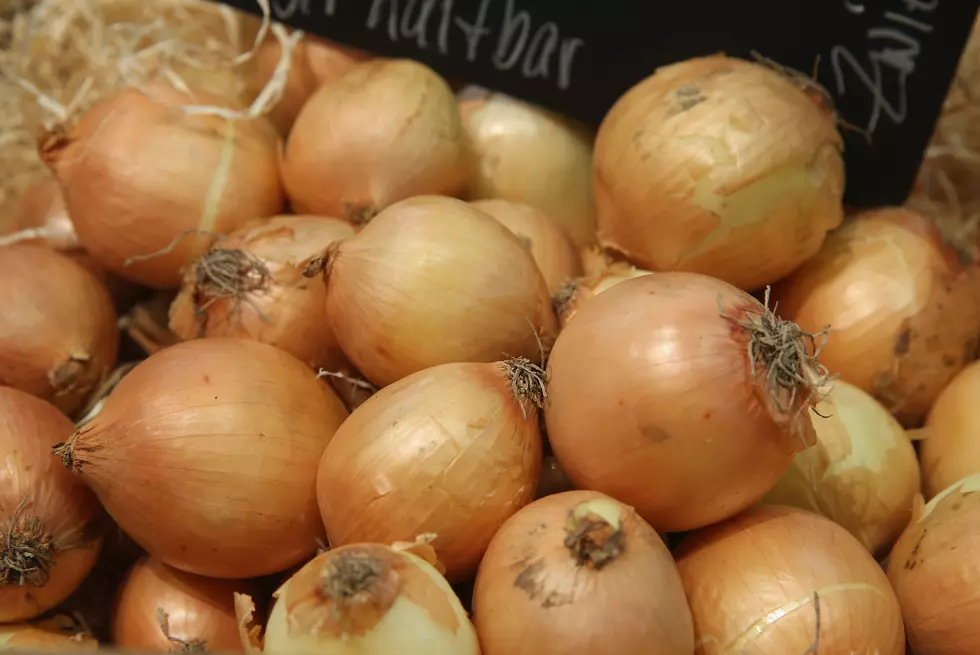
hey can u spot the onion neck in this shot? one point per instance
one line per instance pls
(322, 264)
(593, 533)
(562, 300)
(26, 550)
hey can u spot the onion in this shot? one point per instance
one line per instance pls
(549, 244)
(579, 572)
(950, 450)
(58, 335)
(862, 473)
(719, 166)
(572, 295)
(452, 451)
(781, 580)
(206, 455)
(251, 285)
(160, 609)
(661, 367)
(138, 173)
(529, 155)
(430, 281)
(934, 569)
(50, 524)
(903, 309)
(57, 634)
(385, 131)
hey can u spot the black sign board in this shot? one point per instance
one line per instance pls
(887, 63)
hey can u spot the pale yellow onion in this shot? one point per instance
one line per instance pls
(58, 634)
(384, 131)
(719, 166)
(950, 449)
(530, 155)
(574, 294)
(862, 473)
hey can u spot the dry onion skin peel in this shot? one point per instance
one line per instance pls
(862, 473)
(453, 451)
(782, 580)
(680, 395)
(950, 450)
(221, 438)
(365, 599)
(138, 172)
(719, 166)
(50, 524)
(251, 285)
(58, 336)
(934, 569)
(385, 131)
(574, 293)
(903, 307)
(432, 280)
(580, 572)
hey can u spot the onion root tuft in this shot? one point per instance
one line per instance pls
(352, 575)
(591, 539)
(527, 381)
(26, 550)
(224, 273)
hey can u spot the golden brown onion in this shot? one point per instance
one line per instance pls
(950, 450)
(572, 295)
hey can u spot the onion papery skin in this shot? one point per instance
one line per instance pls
(533, 595)
(754, 583)
(274, 302)
(719, 166)
(58, 336)
(138, 173)
(935, 568)
(529, 155)
(432, 280)
(570, 298)
(652, 400)
(385, 131)
(446, 451)
(36, 492)
(950, 451)
(221, 437)
(903, 310)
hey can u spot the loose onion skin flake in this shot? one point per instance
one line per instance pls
(781, 580)
(58, 336)
(951, 451)
(718, 166)
(653, 398)
(138, 172)
(862, 473)
(579, 572)
(904, 311)
(385, 131)
(51, 525)
(453, 451)
(221, 438)
(573, 294)
(934, 569)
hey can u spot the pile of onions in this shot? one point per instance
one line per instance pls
(160, 609)
(549, 244)
(251, 285)
(529, 155)
(580, 572)
(57, 634)
(385, 131)
(661, 366)
(862, 473)
(138, 172)
(572, 295)
(720, 166)
(934, 569)
(58, 335)
(50, 523)
(452, 451)
(950, 450)
(903, 309)
(206, 455)
(432, 280)
(781, 580)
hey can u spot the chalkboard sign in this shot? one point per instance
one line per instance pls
(887, 63)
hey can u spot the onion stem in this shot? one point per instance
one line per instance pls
(593, 539)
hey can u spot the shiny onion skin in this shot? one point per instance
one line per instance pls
(448, 451)
(579, 572)
(384, 131)
(58, 336)
(719, 166)
(251, 285)
(904, 311)
(572, 295)
(950, 450)
(51, 525)
(659, 366)
(432, 280)
(137, 172)
(934, 569)
(206, 455)
(755, 583)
